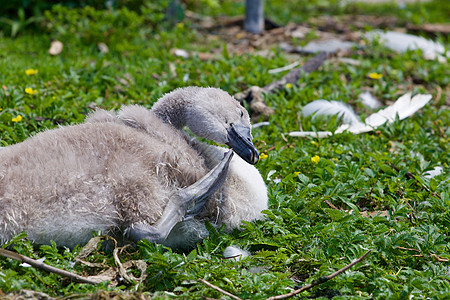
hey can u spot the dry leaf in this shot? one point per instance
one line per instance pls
(90, 247)
(107, 275)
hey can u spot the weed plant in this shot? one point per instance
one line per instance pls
(321, 191)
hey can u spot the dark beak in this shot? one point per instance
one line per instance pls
(240, 140)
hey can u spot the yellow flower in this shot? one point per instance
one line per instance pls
(17, 119)
(30, 72)
(315, 159)
(289, 85)
(374, 75)
(263, 156)
(30, 91)
(296, 173)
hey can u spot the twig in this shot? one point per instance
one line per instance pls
(254, 94)
(285, 68)
(410, 176)
(438, 94)
(218, 289)
(412, 212)
(331, 205)
(40, 265)
(438, 258)
(122, 270)
(434, 255)
(433, 29)
(321, 279)
(407, 249)
(294, 75)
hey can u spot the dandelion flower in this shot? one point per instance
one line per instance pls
(263, 156)
(374, 75)
(30, 91)
(289, 85)
(315, 159)
(296, 173)
(17, 119)
(31, 72)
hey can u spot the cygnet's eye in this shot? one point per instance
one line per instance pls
(242, 113)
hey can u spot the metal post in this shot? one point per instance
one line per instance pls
(254, 16)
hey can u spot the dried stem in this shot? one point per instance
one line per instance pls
(294, 75)
(40, 265)
(321, 279)
(331, 205)
(407, 249)
(218, 289)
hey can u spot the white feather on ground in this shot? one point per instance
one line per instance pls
(433, 173)
(404, 107)
(331, 108)
(235, 253)
(368, 100)
(260, 124)
(401, 42)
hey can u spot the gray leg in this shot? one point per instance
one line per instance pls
(185, 204)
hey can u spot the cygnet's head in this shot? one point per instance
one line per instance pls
(215, 115)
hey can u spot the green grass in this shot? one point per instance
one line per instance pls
(435, 11)
(302, 237)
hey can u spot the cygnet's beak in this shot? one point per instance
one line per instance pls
(240, 140)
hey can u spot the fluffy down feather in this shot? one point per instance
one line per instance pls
(116, 170)
(331, 108)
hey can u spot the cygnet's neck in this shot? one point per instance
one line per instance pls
(172, 107)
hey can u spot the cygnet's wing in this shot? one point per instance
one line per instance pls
(185, 204)
(197, 194)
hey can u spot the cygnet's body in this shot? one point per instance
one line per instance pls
(134, 174)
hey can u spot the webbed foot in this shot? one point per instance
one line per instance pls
(185, 204)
